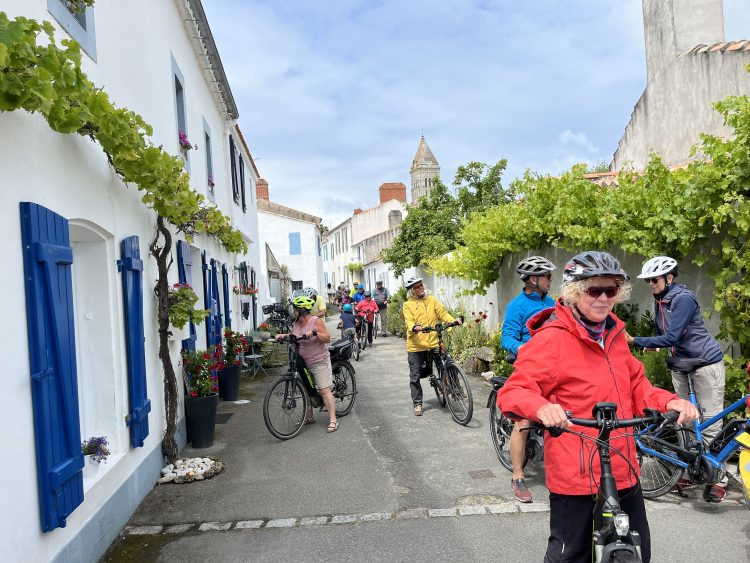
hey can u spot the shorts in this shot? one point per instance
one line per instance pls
(351, 331)
(322, 373)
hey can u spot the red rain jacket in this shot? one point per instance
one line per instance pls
(367, 308)
(562, 364)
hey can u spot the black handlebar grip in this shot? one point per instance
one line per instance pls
(554, 431)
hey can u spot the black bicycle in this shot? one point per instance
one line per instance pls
(450, 383)
(613, 540)
(286, 400)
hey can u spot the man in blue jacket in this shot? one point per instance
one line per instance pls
(681, 328)
(536, 274)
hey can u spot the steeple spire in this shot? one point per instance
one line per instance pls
(424, 168)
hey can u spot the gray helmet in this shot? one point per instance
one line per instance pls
(367, 293)
(310, 292)
(590, 264)
(533, 266)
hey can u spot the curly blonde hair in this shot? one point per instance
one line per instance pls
(570, 292)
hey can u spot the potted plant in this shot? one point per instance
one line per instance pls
(201, 400)
(235, 344)
(95, 452)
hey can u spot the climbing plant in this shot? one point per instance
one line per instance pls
(43, 78)
(699, 213)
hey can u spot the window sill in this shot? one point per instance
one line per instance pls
(104, 468)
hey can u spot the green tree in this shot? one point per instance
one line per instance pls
(433, 225)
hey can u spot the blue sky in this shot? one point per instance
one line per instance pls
(334, 94)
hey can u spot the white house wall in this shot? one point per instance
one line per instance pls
(69, 175)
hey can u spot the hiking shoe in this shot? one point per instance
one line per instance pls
(714, 493)
(383, 334)
(522, 492)
(418, 410)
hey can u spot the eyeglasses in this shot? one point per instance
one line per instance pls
(547, 275)
(595, 291)
(651, 281)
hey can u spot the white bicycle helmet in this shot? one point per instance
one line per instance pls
(411, 281)
(310, 291)
(658, 266)
(534, 266)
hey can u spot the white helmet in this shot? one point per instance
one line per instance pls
(658, 266)
(534, 266)
(411, 281)
(310, 291)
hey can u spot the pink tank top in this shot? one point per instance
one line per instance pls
(312, 350)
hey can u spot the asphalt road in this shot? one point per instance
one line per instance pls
(387, 486)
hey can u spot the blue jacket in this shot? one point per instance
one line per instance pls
(347, 321)
(680, 326)
(517, 314)
(357, 297)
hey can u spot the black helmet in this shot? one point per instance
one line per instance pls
(534, 266)
(590, 264)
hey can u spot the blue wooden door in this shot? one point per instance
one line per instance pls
(132, 291)
(47, 263)
(225, 283)
(184, 274)
(216, 330)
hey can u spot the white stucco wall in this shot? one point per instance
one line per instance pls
(343, 253)
(307, 266)
(374, 220)
(69, 175)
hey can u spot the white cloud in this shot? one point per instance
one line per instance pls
(568, 137)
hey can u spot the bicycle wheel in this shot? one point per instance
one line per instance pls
(500, 431)
(344, 388)
(355, 349)
(375, 327)
(363, 337)
(458, 394)
(437, 385)
(284, 407)
(658, 476)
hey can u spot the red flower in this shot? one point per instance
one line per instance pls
(476, 320)
(193, 393)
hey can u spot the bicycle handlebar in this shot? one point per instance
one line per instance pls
(296, 339)
(440, 327)
(612, 423)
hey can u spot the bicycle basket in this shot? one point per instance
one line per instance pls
(340, 350)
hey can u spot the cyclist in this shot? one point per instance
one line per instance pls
(331, 293)
(319, 307)
(381, 297)
(578, 356)
(314, 352)
(536, 274)
(681, 328)
(359, 295)
(348, 323)
(420, 310)
(367, 309)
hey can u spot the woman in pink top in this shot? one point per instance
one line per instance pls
(315, 353)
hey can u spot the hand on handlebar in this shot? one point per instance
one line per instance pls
(553, 414)
(417, 328)
(688, 412)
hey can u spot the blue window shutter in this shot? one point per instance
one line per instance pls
(215, 303)
(207, 300)
(295, 246)
(132, 291)
(47, 260)
(184, 262)
(225, 282)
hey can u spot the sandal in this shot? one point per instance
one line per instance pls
(333, 426)
(310, 420)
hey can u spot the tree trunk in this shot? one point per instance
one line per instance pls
(163, 255)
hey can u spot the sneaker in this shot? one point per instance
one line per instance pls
(418, 410)
(522, 492)
(383, 334)
(714, 493)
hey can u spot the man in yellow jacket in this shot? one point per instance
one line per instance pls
(420, 310)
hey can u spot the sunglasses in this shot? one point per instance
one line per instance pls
(595, 291)
(651, 281)
(547, 275)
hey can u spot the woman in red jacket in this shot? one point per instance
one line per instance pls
(577, 357)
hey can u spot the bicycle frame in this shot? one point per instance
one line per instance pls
(691, 455)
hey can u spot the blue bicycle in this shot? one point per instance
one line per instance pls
(666, 453)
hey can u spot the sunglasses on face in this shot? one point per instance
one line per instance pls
(652, 281)
(595, 291)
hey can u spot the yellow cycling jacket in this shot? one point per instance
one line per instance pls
(425, 312)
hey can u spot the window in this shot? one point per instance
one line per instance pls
(325, 253)
(242, 184)
(179, 98)
(79, 23)
(209, 159)
(233, 165)
(296, 285)
(295, 245)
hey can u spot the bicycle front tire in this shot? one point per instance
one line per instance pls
(659, 476)
(458, 394)
(285, 407)
(344, 388)
(500, 430)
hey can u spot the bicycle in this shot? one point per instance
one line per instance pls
(665, 454)
(364, 327)
(501, 427)
(376, 326)
(286, 399)
(451, 386)
(612, 539)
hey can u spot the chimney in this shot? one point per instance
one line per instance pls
(357, 211)
(392, 190)
(673, 27)
(261, 189)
